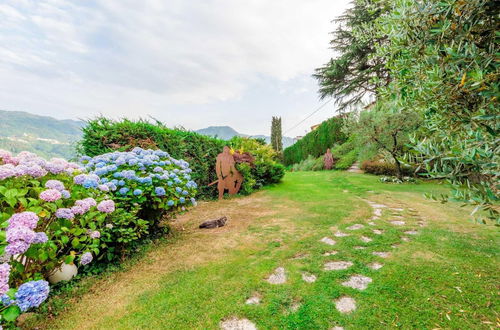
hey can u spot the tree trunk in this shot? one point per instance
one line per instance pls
(398, 168)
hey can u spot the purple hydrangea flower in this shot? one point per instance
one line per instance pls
(17, 247)
(79, 179)
(23, 219)
(65, 213)
(86, 258)
(6, 171)
(95, 234)
(103, 187)
(107, 206)
(4, 277)
(65, 194)
(54, 184)
(50, 195)
(40, 238)
(77, 209)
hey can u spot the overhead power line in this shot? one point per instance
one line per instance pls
(310, 115)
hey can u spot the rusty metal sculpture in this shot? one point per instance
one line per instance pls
(228, 176)
(328, 159)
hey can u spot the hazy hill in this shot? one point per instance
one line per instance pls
(46, 136)
(226, 133)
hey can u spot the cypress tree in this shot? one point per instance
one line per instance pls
(276, 137)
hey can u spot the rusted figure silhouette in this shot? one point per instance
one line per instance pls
(328, 160)
(229, 177)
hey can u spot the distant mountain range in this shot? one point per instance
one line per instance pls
(45, 136)
(226, 133)
(50, 137)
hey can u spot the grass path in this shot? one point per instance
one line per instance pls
(446, 276)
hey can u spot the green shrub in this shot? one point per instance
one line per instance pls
(384, 168)
(103, 135)
(309, 164)
(316, 143)
(347, 160)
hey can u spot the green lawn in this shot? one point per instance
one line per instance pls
(445, 277)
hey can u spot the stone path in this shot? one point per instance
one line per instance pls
(344, 304)
(354, 168)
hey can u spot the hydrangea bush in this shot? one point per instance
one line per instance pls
(46, 220)
(149, 183)
(55, 212)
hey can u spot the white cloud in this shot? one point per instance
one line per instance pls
(120, 57)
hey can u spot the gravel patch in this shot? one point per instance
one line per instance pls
(378, 231)
(327, 240)
(411, 232)
(345, 305)
(330, 253)
(382, 254)
(366, 239)
(375, 265)
(398, 223)
(356, 227)
(309, 278)
(278, 277)
(338, 265)
(237, 324)
(340, 234)
(359, 282)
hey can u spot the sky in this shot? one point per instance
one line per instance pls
(193, 64)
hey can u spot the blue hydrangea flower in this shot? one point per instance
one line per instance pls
(160, 191)
(182, 200)
(170, 203)
(178, 189)
(123, 191)
(31, 294)
(137, 192)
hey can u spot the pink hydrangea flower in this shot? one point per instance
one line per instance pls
(50, 195)
(4, 278)
(107, 206)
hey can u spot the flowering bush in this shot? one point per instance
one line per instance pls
(48, 220)
(148, 183)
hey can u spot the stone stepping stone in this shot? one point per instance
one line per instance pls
(398, 223)
(337, 265)
(327, 240)
(359, 282)
(422, 224)
(278, 277)
(411, 232)
(394, 246)
(330, 253)
(397, 209)
(253, 300)
(309, 278)
(398, 217)
(366, 239)
(377, 213)
(345, 305)
(378, 231)
(341, 234)
(356, 227)
(360, 247)
(382, 254)
(337, 328)
(237, 324)
(375, 265)
(405, 239)
(371, 223)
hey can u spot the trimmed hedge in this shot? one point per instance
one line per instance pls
(316, 143)
(103, 135)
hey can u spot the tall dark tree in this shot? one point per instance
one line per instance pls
(356, 71)
(276, 135)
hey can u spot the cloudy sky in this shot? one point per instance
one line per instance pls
(187, 63)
